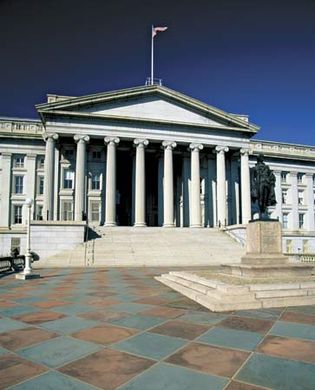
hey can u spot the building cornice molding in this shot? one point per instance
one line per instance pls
(282, 150)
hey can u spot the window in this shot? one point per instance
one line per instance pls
(301, 221)
(284, 196)
(305, 246)
(39, 212)
(17, 214)
(69, 153)
(284, 177)
(95, 211)
(96, 181)
(67, 211)
(18, 184)
(68, 179)
(18, 161)
(300, 177)
(301, 197)
(40, 185)
(289, 246)
(41, 162)
(285, 220)
(96, 155)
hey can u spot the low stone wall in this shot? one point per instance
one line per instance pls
(293, 242)
(50, 237)
(9, 237)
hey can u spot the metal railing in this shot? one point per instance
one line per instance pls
(155, 81)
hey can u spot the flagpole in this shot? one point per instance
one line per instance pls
(152, 55)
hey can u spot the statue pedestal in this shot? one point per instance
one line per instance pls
(264, 243)
(264, 257)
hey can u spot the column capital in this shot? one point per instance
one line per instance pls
(81, 138)
(111, 140)
(170, 145)
(195, 147)
(221, 149)
(245, 151)
(141, 142)
(50, 136)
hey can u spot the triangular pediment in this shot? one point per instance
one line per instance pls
(149, 103)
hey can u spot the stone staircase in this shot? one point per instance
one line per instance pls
(151, 246)
(219, 296)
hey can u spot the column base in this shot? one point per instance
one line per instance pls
(168, 225)
(110, 224)
(195, 226)
(140, 224)
(27, 276)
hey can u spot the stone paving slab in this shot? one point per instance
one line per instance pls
(121, 329)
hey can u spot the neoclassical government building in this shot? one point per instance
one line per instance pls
(146, 156)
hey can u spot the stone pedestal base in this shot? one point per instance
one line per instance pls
(264, 278)
(23, 276)
(264, 243)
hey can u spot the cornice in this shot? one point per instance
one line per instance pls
(282, 150)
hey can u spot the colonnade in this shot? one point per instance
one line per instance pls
(168, 186)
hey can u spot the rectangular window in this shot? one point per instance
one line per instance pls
(39, 212)
(68, 179)
(96, 181)
(301, 221)
(40, 185)
(95, 211)
(41, 162)
(305, 246)
(300, 177)
(284, 196)
(289, 246)
(19, 162)
(17, 214)
(18, 184)
(284, 177)
(67, 211)
(285, 220)
(69, 153)
(301, 197)
(15, 245)
(96, 155)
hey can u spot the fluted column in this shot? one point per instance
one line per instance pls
(245, 187)
(195, 214)
(110, 206)
(221, 185)
(50, 139)
(140, 182)
(168, 189)
(79, 194)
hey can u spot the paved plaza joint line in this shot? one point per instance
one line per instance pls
(121, 329)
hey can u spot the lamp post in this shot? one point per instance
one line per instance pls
(27, 273)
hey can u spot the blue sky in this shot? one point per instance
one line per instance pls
(251, 57)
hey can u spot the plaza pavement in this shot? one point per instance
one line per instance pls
(120, 329)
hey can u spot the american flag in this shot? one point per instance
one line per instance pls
(155, 30)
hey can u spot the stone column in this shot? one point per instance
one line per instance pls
(195, 215)
(31, 181)
(278, 192)
(5, 190)
(79, 195)
(186, 186)
(168, 189)
(310, 201)
(294, 223)
(221, 185)
(140, 182)
(110, 206)
(245, 187)
(48, 208)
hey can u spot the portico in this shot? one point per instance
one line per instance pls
(146, 156)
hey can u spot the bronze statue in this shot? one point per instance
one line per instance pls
(262, 187)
